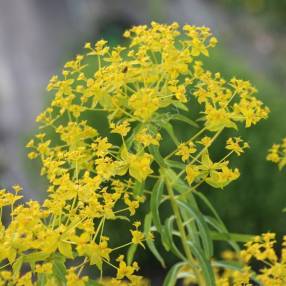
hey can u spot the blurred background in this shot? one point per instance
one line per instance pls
(37, 37)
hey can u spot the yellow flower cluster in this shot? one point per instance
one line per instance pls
(93, 181)
(235, 145)
(277, 154)
(269, 269)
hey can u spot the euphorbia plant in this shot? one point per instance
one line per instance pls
(142, 90)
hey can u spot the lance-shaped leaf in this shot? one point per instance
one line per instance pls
(169, 226)
(204, 234)
(150, 243)
(156, 197)
(173, 273)
(204, 264)
(180, 117)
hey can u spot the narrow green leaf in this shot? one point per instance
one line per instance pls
(59, 268)
(219, 225)
(233, 265)
(131, 252)
(170, 130)
(169, 226)
(122, 217)
(210, 206)
(154, 151)
(173, 273)
(175, 164)
(202, 227)
(164, 238)
(155, 202)
(180, 105)
(17, 265)
(34, 257)
(221, 229)
(231, 236)
(150, 243)
(204, 264)
(181, 187)
(183, 118)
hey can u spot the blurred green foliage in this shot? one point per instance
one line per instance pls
(273, 11)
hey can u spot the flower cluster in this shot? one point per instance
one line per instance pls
(259, 252)
(277, 154)
(95, 181)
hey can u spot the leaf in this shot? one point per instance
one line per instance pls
(233, 265)
(41, 279)
(183, 118)
(59, 269)
(210, 206)
(65, 249)
(170, 130)
(154, 151)
(164, 238)
(169, 226)
(17, 265)
(175, 164)
(180, 105)
(32, 258)
(202, 228)
(122, 217)
(156, 196)
(238, 237)
(131, 252)
(204, 264)
(219, 225)
(172, 275)
(138, 188)
(150, 243)
(162, 121)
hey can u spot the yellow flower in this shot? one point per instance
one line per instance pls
(277, 154)
(144, 103)
(233, 144)
(217, 119)
(121, 128)
(74, 280)
(185, 150)
(147, 139)
(137, 236)
(138, 164)
(125, 270)
(192, 172)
